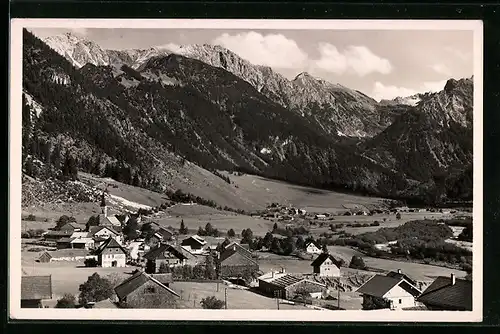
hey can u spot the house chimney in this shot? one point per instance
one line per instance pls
(272, 273)
(282, 270)
(453, 280)
(399, 271)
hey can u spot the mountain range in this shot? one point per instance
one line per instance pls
(144, 116)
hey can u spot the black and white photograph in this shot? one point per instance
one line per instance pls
(246, 170)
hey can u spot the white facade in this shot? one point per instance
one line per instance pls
(400, 298)
(106, 232)
(329, 269)
(113, 260)
(312, 249)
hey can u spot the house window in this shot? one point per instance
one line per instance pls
(400, 301)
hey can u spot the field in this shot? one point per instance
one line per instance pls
(192, 293)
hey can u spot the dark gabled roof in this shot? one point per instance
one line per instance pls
(442, 294)
(314, 243)
(379, 285)
(164, 278)
(322, 258)
(401, 275)
(241, 248)
(196, 238)
(36, 287)
(110, 243)
(135, 281)
(227, 253)
(59, 233)
(64, 240)
(94, 229)
(157, 252)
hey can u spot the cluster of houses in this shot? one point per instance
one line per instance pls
(105, 243)
(400, 292)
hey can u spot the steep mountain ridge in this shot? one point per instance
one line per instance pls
(160, 120)
(335, 109)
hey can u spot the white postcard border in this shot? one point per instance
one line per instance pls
(15, 126)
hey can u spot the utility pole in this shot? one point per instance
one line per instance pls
(338, 294)
(225, 298)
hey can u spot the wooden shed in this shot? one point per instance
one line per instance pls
(45, 257)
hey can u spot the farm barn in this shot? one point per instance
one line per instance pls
(142, 289)
(45, 257)
(164, 254)
(235, 262)
(286, 286)
(35, 289)
(448, 294)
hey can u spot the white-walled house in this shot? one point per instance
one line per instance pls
(111, 254)
(104, 232)
(398, 293)
(312, 248)
(326, 265)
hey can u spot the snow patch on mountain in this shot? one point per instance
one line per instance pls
(34, 105)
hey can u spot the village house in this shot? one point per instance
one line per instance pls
(319, 216)
(237, 262)
(73, 227)
(111, 254)
(286, 286)
(395, 291)
(448, 294)
(312, 248)
(163, 255)
(326, 265)
(243, 249)
(194, 244)
(138, 288)
(76, 240)
(102, 233)
(57, 235)
(81, 240)
(34, 290)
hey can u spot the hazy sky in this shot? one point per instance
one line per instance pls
(382, 64)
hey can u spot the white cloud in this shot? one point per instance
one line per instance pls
(464, 56)
(354, 59)
(171, 47)
(274, 50)
(441, 69)
(383, 92)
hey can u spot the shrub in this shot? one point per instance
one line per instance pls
(357, 263)
(231, 233)
(95, 289)
(91, 262)
(212, 303)
(67, 301)
(31, 217)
